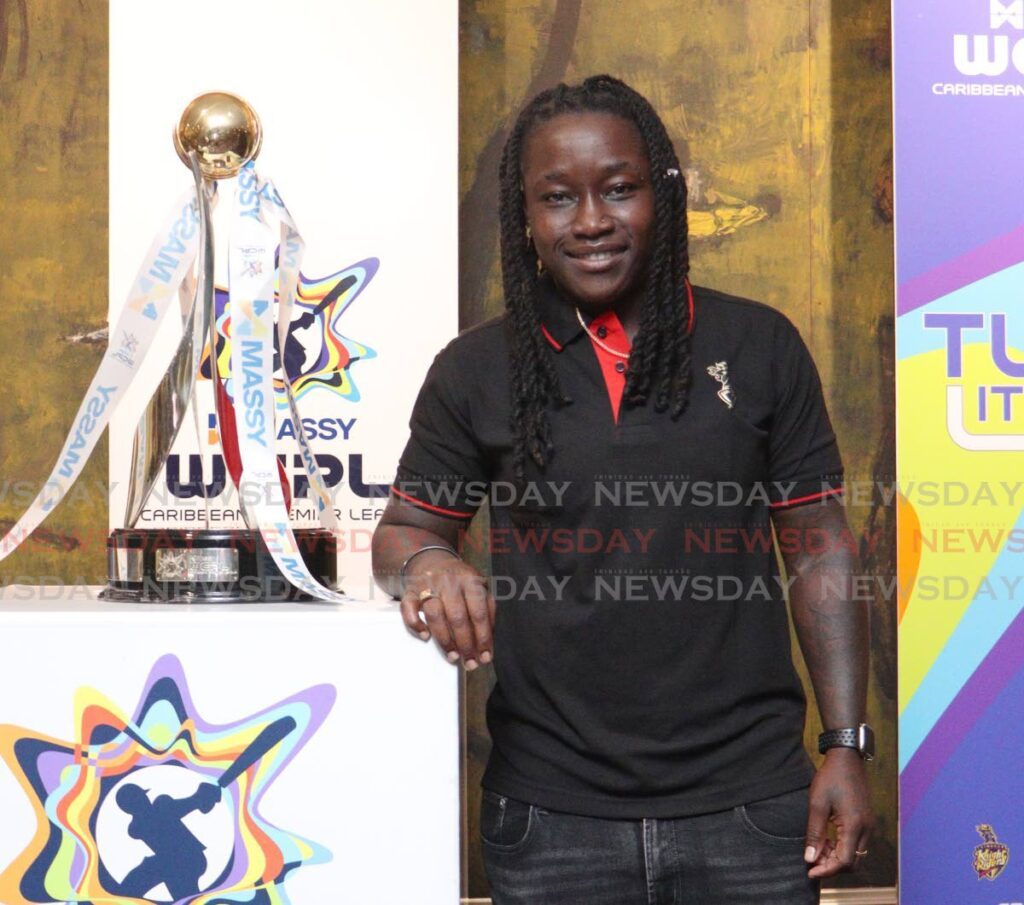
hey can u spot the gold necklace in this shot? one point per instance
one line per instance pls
(608, 349)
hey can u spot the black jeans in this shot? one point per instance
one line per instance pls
(752, 853)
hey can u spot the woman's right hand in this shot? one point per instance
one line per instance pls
(448, 600)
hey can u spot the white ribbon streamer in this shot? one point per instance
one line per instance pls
(163, 269)
(292, 248)
(251, 301)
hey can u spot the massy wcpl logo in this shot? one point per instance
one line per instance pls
(162, 807)
(992, 54)
(317, 359)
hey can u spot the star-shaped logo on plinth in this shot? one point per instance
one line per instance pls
(162, 808)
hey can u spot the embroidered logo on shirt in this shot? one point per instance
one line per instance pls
(719, 370)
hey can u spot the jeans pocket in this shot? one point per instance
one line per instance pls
(781, 820)
(505, 823)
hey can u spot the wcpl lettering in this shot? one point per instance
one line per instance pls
(992, 55)
(209, 482)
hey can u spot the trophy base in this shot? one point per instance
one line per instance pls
(177, 566)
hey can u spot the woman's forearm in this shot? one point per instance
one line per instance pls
(831, 625)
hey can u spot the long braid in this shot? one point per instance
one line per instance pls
(660, 357)
(534, 381)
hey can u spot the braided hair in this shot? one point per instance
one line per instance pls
(659, 363)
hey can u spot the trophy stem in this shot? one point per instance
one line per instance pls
(225, 413)
(204, 289)
(166, 410)
(205, 297)
(199, 445)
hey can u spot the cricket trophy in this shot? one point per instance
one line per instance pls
(240, 349)
(217, 136)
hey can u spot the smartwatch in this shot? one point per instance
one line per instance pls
(862, 739)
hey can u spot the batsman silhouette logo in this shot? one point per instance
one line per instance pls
(316, 355)
(162, 808)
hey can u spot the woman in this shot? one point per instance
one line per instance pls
(639, 438)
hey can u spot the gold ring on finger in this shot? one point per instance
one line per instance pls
(426, 594)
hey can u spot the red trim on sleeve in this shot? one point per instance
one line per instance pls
(423, 505)
(782, 504)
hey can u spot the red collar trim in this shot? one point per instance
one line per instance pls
(554, 342)
(557, 346)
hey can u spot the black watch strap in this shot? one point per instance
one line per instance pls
(861, 739)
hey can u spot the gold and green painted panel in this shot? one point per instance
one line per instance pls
(53, 272)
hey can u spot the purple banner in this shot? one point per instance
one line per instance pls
(958, 73)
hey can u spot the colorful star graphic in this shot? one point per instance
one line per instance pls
(160, 808)
(316, 355)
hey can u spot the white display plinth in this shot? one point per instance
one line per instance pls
(376, 785)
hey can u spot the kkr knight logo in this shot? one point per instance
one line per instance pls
(160, 808)
(991, 856)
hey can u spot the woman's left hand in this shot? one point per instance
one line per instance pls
(840, 795)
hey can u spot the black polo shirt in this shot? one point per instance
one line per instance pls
(642, 649)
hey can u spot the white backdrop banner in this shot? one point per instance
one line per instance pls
(359, 106)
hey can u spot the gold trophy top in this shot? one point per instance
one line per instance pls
(223, 130)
